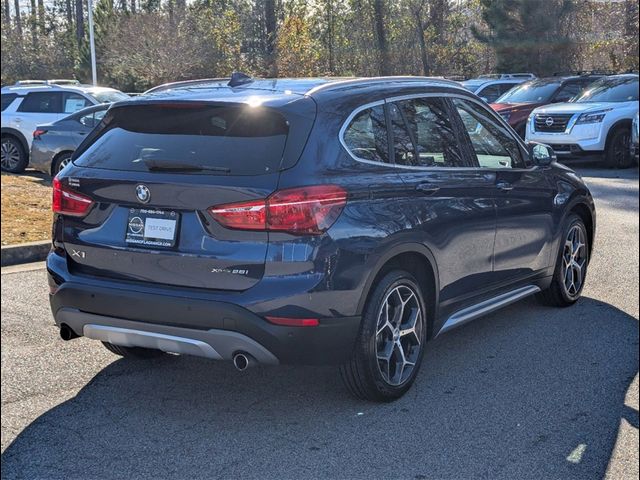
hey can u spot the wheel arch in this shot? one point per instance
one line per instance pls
(55, 158)
(623, 123)
(416, 259)
(583, 211)
(12, 132)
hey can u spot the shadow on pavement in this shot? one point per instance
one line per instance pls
(529, 392)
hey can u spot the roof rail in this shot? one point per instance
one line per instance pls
(582, 73)
(63, 81)
(373, 80)
(30, 82)
(507, 76)
(184, 83)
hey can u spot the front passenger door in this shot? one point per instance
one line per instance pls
(524, 196)
(447, 202)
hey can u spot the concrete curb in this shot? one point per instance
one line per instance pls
(25, 253)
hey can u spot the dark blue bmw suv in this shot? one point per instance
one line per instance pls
(314, 221)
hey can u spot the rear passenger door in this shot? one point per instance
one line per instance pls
(37, 108)
(448, 204)
(524, 195)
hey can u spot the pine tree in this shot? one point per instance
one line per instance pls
(527, 35)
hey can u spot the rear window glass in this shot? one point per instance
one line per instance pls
(366, 136)
(7, 99)
(238, 140)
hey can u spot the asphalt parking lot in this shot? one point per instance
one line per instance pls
(528, 392)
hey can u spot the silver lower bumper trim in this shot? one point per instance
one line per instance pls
(215, 344)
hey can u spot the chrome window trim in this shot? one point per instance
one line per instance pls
(346, 125)
(412, 96)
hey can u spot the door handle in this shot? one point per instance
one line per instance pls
(427, 188)
(504, 186)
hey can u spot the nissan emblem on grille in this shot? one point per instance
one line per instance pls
(549, 121)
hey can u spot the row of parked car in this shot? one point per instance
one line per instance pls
(579, 115)
(582, 115)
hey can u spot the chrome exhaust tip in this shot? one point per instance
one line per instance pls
(242, 361)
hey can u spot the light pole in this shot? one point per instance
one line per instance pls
(92, 45)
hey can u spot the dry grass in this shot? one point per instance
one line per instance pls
(26, 208)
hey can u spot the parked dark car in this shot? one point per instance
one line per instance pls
(54, 143)
(309, 221)
(516, 105)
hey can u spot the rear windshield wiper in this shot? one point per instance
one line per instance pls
(180, 166)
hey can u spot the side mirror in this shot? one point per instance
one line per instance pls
(541, 154)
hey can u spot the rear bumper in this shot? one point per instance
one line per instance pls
(212, 329)
(41, 158)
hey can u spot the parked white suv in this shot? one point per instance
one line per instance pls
(34, 102)
(491, 86)
(597, 122)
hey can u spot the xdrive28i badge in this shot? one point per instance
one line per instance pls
(143, 193)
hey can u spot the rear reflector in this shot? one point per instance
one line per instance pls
(69, 202)
(305, 210)
(294, 322)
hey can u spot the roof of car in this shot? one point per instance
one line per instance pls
(43, 87)
(278, 90)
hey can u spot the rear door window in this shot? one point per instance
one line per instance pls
(42, 102)
(180, 137)
(7, 99)
(423, 134)
(74, 102)
(366, 136)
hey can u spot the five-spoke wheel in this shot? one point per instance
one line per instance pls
(574, 260)
(398, 334)
(571, 266)
(391, 344)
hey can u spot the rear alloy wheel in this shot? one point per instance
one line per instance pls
(618, 153)
(12, 155)
(389, 349)
(571, 266)
(60, 162)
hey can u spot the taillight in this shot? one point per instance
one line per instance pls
(306, 210)
(69, 202)
(38, 132)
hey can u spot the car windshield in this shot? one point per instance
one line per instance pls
(109, 96)
(611, 90)
(530, 92)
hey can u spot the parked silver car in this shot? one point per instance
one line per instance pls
(53, 144)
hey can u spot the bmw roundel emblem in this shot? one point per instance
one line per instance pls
(143, 193)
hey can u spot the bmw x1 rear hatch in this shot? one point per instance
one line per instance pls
(139, 202)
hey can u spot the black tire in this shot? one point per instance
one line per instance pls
(363, 374)
(558, 294)
(137, 353)
(14, 157)
(618, 150)
(59, 161)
